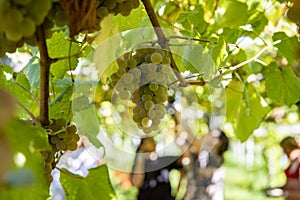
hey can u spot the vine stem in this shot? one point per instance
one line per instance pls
(45, 62)
(162, 40)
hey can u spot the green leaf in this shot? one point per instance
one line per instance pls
(26, 142)
(236, 14)
(288, 45)
(234, 98)
(59, 47)
(93, 187)
(61, 106)
(282, 85)
(197, 61)
(33, 72)
(18, 87)
(196, 18)
(258, 22)
(129, 22)
(183, 20)
(246, 117)
(87, 122)
(193, 20)
(218, 51)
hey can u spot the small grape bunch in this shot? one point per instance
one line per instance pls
(64, 136)
(49, 164)
(124, 7)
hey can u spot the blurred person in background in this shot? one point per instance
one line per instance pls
(150, 173)
(292, 149)
(205, 176)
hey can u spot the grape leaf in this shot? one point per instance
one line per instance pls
(33, 72)
(95, 186)
(218, 51)
(246, 117)
(129, 22)
(234, 98)
(195, 60)
(18, 88)
(59, 47)
(87, 122)
(26, 142)
(60, 107)
(288, 45)
(233, 9)
(282, 85)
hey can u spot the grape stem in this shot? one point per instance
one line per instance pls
(162, 40)
(45, 62)
(26, 90)
(196, 39)
(75, 55)
(191, 82)
(34, 119)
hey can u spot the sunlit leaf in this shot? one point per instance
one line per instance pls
(282, 85)
(95, 186)
(245, 116)
(59, 47)
(288, 45)
(26, 143)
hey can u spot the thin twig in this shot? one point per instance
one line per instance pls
(76, 55)
(196, 39)
(253, 58)
(36, 121)
(188, 38)
(26, 90)
(189, 81)
(162, 40)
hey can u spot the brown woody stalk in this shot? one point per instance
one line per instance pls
(162, 40)
(45, 62)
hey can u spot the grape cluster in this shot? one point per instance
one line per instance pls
(49, 164)
(19, 19)
(149, 109)
(143, 76)
(62, 137)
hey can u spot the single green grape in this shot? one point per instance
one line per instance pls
(54, 139)
(148, 105)
(102, 11)
(61, 145)
(71, 129)
(156, 58)
(146, 97)
(131, 63)
(146, 122)
(153, 87)
(72, 146)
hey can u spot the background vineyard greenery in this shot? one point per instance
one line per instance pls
(254, 47)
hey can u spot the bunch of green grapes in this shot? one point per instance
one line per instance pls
(115, 7)
(19, 19)
(149, 109)
(63, 137)
(142, 77)
(49, 164)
